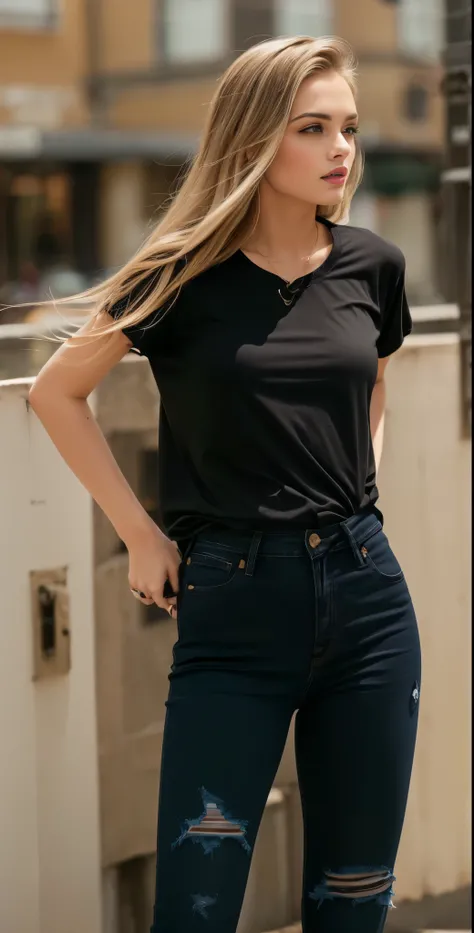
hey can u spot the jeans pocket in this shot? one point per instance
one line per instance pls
(379, 557)
(207, 571)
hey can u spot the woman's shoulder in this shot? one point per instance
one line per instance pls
(367, 243)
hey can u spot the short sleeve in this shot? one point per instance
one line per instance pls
(144, 334)
(396, 321)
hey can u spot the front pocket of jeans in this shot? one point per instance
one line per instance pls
(206, 571)
(380, 558)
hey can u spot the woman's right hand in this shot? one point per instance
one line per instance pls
(154, 559)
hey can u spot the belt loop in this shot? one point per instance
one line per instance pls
(186, 546)
(253, 551)
(353, 544)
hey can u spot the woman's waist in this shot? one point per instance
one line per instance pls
(288, 538)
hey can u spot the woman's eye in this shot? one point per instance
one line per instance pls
(352, 130)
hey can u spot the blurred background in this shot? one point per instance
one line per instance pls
(102, 101)
(101, 107)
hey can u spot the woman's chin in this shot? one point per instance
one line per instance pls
(332, 197)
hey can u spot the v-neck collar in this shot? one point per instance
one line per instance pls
(317, 273)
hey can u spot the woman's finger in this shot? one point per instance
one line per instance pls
(146, 600)
(174, 578)
(162, 601)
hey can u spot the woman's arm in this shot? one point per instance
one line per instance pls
(377, 411)
(59, 399)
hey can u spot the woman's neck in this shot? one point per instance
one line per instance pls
(286, 228)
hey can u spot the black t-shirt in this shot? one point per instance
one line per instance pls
(264, 407)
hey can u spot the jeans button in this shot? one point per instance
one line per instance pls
(314, 540)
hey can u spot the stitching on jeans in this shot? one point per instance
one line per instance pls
(373, 530)
(389, 577)
(223, 564)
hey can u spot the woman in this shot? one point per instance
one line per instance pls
(274, 328)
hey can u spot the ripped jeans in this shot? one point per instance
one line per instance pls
(317, 622)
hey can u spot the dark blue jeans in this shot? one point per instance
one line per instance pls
(318, 622)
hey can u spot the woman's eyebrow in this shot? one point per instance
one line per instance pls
(322, 116)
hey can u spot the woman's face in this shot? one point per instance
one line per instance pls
(319, 139)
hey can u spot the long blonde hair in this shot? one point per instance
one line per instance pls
(216, 207)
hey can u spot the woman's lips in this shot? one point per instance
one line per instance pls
(335, 179)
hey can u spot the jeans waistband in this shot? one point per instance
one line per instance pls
(352, 531)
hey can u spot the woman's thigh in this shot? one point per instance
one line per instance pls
(238, 666)
(221, 751)
(355, 734)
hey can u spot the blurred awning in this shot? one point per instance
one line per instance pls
(89, 144)
(401, 173)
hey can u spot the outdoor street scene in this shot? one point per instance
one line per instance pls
(102, 106)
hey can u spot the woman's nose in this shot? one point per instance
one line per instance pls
(342, 146)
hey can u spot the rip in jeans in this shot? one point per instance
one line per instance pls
(201, 903)
(360, 885)
(213, 825)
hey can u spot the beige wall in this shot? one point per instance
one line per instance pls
(50, 62)
(128, 34)
(178, 106)
(49, 808)
(425, 495)
(352, 21)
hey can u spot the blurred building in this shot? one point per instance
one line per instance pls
(457, 182)
(102, 101)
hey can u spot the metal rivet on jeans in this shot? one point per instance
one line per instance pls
(314, 540)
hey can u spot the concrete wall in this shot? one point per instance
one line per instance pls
(425, 495)
(55, 835)
(49, 808)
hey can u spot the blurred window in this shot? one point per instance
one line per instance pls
(416, 103)
(421, 27)
(303, 17)
(28, 13)
(36, 230)
(194, 30)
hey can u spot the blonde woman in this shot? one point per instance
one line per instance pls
(268, 326)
